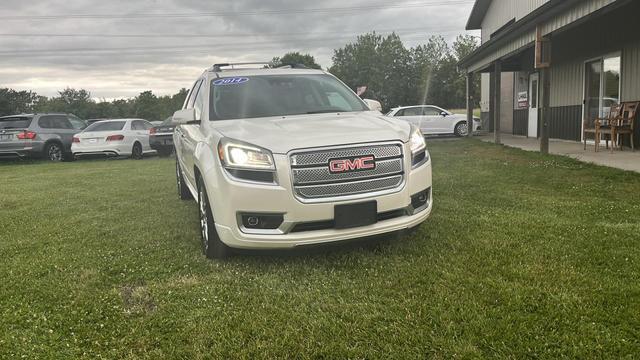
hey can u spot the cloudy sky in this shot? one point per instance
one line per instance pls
(118, 48)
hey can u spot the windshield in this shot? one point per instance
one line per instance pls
(106, 126)
(280, 95)
(15, 123)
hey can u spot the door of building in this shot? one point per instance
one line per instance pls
(534, 85)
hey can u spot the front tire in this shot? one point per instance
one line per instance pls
(183, 190)
(53, 152)
(462, 129)
(212, 246)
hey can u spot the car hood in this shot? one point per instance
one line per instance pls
(283, 134)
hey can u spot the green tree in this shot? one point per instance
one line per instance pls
(16, 102)
(147, 107)
(295, 58)
(382, 64)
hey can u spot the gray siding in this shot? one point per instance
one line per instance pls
(502, 11)
(567, 17)
(506, 100)
(566, 84)
(631, 72)
(521, 122)
(571, 49)
(565, 122)
(577, 12)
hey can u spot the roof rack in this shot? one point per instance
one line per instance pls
(292, 66)
(218, 67)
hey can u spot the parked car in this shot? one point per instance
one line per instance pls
(433, 120)
(290, 157)
(161, 137)
(91, 121)
(118, 137)
(47, 136)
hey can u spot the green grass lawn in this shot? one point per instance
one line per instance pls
(525, 256)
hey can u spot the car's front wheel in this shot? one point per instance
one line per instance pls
(212, 246)
(462, 129)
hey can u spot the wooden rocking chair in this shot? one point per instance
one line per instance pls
(624, 124)
(602, 126)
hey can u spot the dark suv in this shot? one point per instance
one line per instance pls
(39, 135)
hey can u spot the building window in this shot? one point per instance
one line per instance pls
(602, 86)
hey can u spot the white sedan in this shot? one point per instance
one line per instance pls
(433, 120)
(118, 137)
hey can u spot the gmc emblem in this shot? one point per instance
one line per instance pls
(352, 164)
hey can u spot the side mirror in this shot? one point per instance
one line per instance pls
(444, 114)
(185, 116)
(373, 105)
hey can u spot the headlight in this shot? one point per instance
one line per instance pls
(418, 146)
(417, 142)
(240, 155)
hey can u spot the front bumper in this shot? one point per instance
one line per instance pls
(229, 198)
(114, 149)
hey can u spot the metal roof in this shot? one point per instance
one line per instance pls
(477, 14)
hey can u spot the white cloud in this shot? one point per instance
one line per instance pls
(116, 74)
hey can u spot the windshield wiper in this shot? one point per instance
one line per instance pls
(325, 111)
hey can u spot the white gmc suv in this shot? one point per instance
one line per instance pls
(288, 157)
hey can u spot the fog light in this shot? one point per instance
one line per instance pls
(253, 221)
(262, 221)
(420, 200)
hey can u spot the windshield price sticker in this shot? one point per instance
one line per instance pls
(230, 81)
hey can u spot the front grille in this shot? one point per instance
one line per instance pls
(312, 178)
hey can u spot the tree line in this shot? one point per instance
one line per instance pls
(393, 74)
(79, 102)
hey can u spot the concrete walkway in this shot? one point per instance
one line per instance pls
(625, 160)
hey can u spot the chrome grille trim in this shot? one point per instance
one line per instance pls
(349, 188)
(312, 181)
(319, 175)
(322, 157)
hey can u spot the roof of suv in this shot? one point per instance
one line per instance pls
(32, 115)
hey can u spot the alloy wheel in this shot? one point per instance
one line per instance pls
(204, 225)
(463, 129)
(178, 178)
(55, 152)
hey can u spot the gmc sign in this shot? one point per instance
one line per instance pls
(352, 164)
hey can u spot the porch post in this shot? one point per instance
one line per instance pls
(544, 116)
(497, 100)
(470, 104)
(543, 64)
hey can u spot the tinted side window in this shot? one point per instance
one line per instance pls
(412, 112)
(137, 125)
(15, 123)
(147, 125)
(400, 113)
(76, 123)
(429, 111)
(193, 94)
(199, 102)
(54, 122)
